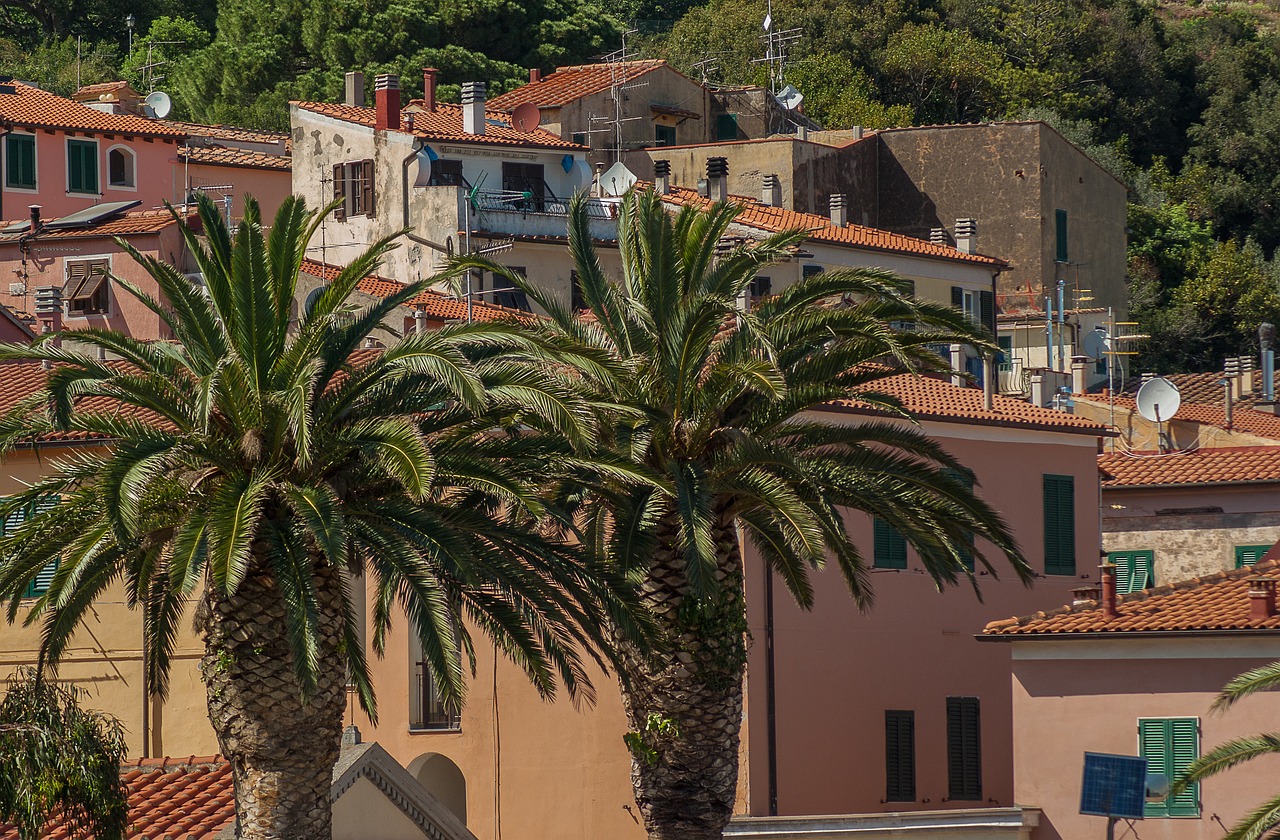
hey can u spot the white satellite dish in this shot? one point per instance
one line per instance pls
(617, 179)
(158, 104)
(790, 98)
(1097, 344)
(1159, 400)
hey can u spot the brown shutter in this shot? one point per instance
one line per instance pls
(366, 188)
(340, 191)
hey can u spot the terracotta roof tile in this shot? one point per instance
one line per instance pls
(169, 799)
(1226, 465)
(32, 107)
(90, 93)
(1216, 602)
(229, 132)
(127, 224)
(1206, 387)
(754, 214)
(1243, 419)
(219, 156)
(444, 124)
(930, 398)
(570, 83)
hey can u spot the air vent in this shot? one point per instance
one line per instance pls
(17, 289)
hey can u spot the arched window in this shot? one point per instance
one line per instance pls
(120, 168)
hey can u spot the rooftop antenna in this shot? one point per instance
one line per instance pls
(776, 44)
(706, 67)
(612, 124)
(149, 76)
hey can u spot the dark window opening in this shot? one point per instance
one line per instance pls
(577, 301)
(86, 289)
(527, 179)
(447, 173)
(120, 168)
(900, 756)
(509, 296)
(726, 127)
(964, 749)
(664, 135)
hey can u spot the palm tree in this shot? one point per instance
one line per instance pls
(1263, 820)
(720, 401)
(258, 464)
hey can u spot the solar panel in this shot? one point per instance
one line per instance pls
(92, 215)
(1114, 785)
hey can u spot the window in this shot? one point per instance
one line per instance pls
(1059, 525)
(900, 756)
(1247, 555)
(120, 168)
(1135, 570)
(430, 712)
(580, 138)
(353, 186)
(761, 287)
(810, 270)
(1004, 359)
(82, 166)
(508, 295)
(889, 547)
(964, 749)
(527, 178)
(1170, 745)
(1060, 234)
(577, 302)
(44, 578)
(967, 550)
(20, 161)
(726, 127)
(447, 173)
(86, 289)
(978, 306)
(664, 135)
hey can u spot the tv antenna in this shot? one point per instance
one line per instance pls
(706, 67)
(776, 43)
(612, 123)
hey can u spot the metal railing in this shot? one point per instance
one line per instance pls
(431, 712)
(513, 201)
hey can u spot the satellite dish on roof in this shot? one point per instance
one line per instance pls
(158, 104)
(617, 179)
(1097, 344)
(790, 98)
(1159, 400)
(526, 117)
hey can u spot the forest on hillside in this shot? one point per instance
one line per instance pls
(1180, 100)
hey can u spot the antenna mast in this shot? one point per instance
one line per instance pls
(776, 44)
(612, 124)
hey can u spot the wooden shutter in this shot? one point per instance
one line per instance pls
(987, 310)
(1153, 746)
(340, 191)
(44, 578)
(966, 552)
(1144, 572)
(1123, 561)
(366, 188)
(1170, 745)
(1059, 525)
(900, 756)
(1247, 555)
(1060, 230)
(964, 749)
(957, 297)
(20, 161)
(889, 547)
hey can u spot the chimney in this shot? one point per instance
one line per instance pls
(1246, 375)
(353, 87)
(429, 88)
(1231, 369)
(1085, 595)
(49, 311)
(988, 382)
(967, 236)
(1228, 402)
(839, 210)
(473, 107)
(1078, 368)
(1037, 389)
(856, 132)
(36, 223)
(1267, 340)
(419, 321)
(1109, 590)
(662, 176)
(938, 236)
(771, 191)
(386, 99)
(957, 365)
(1262, 598)
(535, 76)
(718, 178)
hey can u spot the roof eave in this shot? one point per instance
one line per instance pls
(1126, 634)
(971, 421)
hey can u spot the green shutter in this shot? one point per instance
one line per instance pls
(1135, 570)
(82, 166)
(966, 551)
(40, 584)
(1060, 223)
(726, 127)
(900, 756)
(20, 161)
(1170, 745)
(1153, 746)
(889, 546)
(1247, 555)
(1059, 525)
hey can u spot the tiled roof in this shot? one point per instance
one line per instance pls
(35, 108)
(755, 214)
(127, 224)
(444, 124)
(930, 398)
(229, 132)
(1216, 602)
(1205, 387)
(90, 93)
(169, 799)
(570, 83)
(219, 156)
(1243, 419)
(1226, 465)
(436, 306)
(21, 379)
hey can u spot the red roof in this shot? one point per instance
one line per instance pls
(218, 156)
(1206, 387)
(755, 214)
(1243, 419)
(568, 84)
(444, 124)
(32, 107)
(930, 398)
(1226, 465)
(90, 93)
(169, 799)
(126, 224)
(229, 132)
(1216, 602)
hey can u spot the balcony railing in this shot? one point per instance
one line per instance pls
(431, 712)
(526, 202)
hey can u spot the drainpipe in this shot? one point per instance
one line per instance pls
(771, 700)
(418, 143)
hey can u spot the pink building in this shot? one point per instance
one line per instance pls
(66, 156)
(230, 164)
(1136, 675)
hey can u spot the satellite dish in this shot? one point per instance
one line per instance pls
(159, 104)
(790, 98)
(617, 179)
(526, 117)
(1097, 344)
(1159, 400)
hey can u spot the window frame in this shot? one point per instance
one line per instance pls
(132, 157)
(85, 143)
(1169, 763)
(104, 289)
(1241, 550)
(353, 182)
(10, 186)
(1062, 252)
(659, 140)
(1056, 555)
(723, 120)
(888, 545)
(1125, 569)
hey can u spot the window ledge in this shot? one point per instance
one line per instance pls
(417, 729)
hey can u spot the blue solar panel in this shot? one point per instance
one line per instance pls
(1114, 785)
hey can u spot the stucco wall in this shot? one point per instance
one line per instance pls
(593, 115)
(269, 186)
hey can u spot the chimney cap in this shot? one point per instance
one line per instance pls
(386, 81)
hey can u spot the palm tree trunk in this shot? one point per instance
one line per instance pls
(282, 750)
(685, 703)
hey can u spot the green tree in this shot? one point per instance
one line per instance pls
(52, 64)
(719, 403)
(260, 462)
(167, 45)
(945, 76)
(57, 758)
(837, 94)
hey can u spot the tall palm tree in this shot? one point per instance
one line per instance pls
(1265, 819)
(257, 464)
(721, 399)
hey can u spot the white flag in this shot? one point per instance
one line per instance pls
(768, 21)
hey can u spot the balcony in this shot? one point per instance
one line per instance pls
(538, 213)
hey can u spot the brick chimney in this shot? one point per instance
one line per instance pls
(662, 176)
(473, 107)
(36, 223)
(1262, 598)
(429, 88)
(1109, 590)
(967, 236)
(535, 75)
(771, 191)
(718, 178)
(386, 99)
(838, 205)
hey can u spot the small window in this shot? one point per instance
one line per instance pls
(120, 168)
(1135, 570)
(1005, 357)
(761, 287)
(1059, 525)
(86, 291)
(726, 127)
(977, 305)
(1060, 235)
(810, 270)
(20, 161)
(430, 711)
(447, 173)
(44, 578)
(964, 749)
(82, 166)
(353, 186)
(580, 138)
(900, 756)
(1170, 745)
(508, 295)
(889, 547)
(664, 135)
(1247, 555)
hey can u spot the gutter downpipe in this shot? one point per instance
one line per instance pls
(418, 144)
(771, 709)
